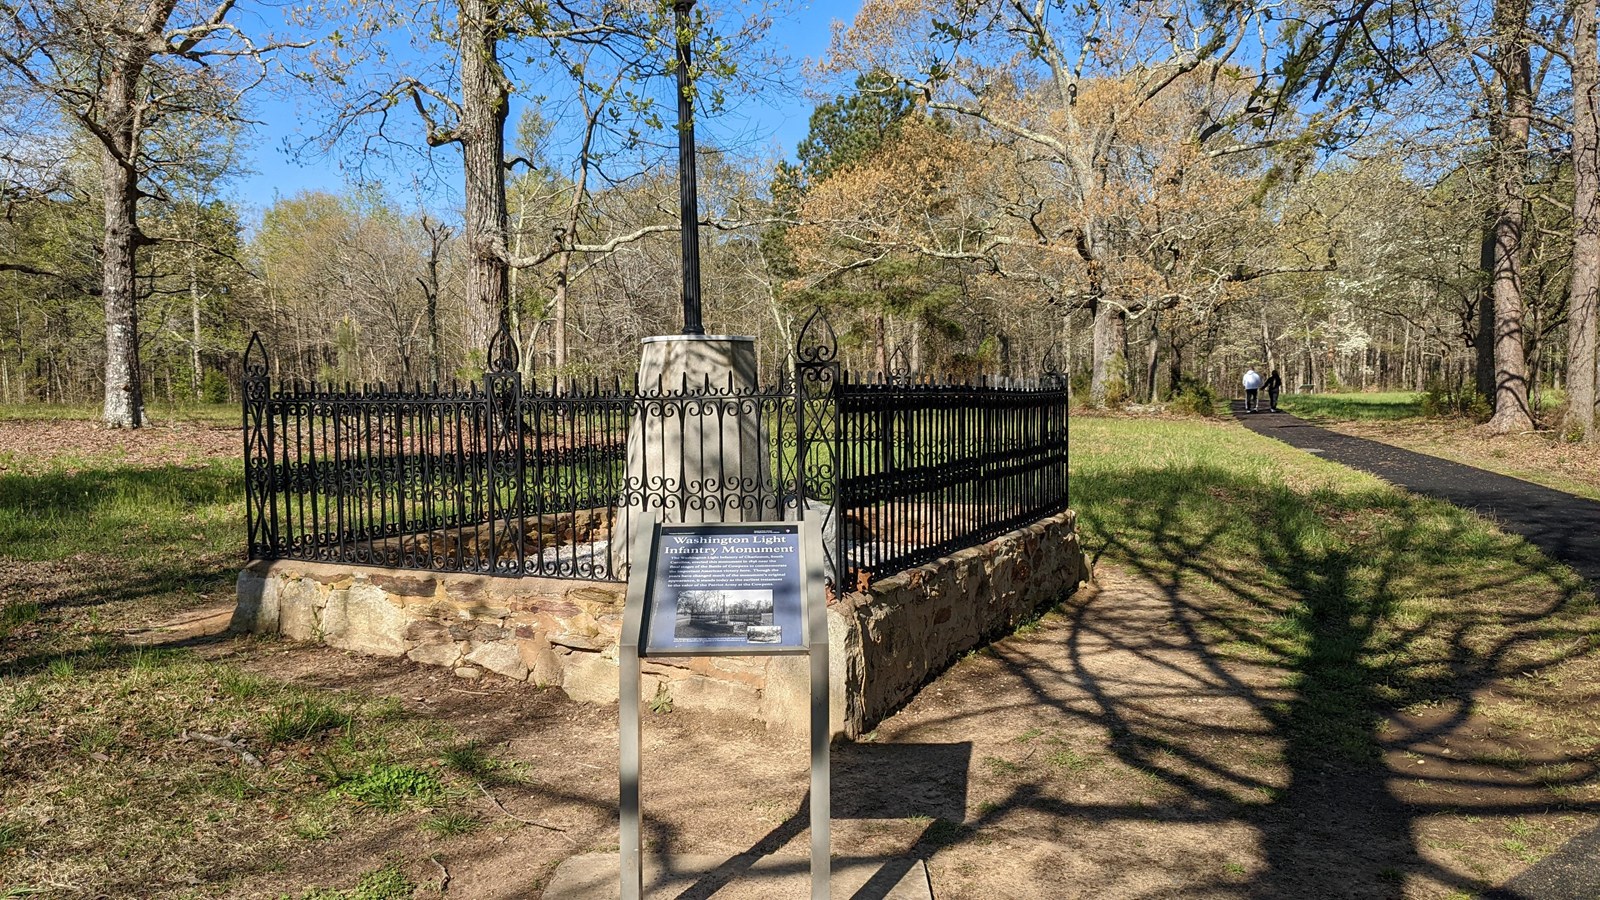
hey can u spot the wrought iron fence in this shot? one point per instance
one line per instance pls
(506, 478)
(930, 466)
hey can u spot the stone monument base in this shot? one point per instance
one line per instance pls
(691, 459)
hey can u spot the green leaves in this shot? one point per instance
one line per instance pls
(851, 127)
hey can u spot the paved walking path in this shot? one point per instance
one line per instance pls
(1565, 527)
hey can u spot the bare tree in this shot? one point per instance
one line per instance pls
(438, 234)
(121, 70)
(1510, 125)
(1072, 115)
(1583, 315)
(597, 57)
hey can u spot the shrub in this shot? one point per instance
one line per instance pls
(1442, 400)
(1117, 389)
(214, 387)
(1080, 383)
(1193, 398)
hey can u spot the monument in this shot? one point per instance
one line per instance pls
(707, 460)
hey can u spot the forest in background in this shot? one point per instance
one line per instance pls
(1148, 196)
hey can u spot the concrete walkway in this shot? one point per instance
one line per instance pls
(1565, 527)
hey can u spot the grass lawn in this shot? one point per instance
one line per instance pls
(159, 413)
(116, 773)
(1372, 599)
(1396, 418)
(1345, 407)
(1540, 456)
(1379, 406)
(121, 771)
(1375, 608)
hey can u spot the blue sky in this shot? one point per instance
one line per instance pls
(772, 120)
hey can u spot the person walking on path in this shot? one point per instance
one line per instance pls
(1252, 385)
(1274, 387)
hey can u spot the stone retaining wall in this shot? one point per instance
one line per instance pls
(885, 642)
(909, 627)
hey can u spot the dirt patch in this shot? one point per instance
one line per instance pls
(710, 782)
(1114, 755)
(32, 447)
(1106, 753)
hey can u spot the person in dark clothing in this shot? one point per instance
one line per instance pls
(1274, 387)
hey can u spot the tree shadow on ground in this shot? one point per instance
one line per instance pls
(1322, 666)
(1368, 602)
(920, 782)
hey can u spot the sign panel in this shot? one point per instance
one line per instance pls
(725, 588)
(750, 588)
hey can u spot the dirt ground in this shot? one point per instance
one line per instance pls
(29, 446)
(1104, 753)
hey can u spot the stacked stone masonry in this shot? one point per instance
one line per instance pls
(885, 642)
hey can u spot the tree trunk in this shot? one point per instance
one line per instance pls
(482, 132)
(1511, 409)
(1483, 337)
(1308, 381)
(1583, 318)
(879, 332)
(1405, 357)
(437, 235)
(1266, 342)
(194, 323)
(1066, 343)
(558, 303)
(1174, 366)
(124, 400)
(1153, 357)
(1109, 382)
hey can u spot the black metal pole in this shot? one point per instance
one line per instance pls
(688, 203)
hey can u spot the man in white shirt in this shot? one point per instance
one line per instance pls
(1252, 384)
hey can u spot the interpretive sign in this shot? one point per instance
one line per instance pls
(724, 588)
(732, 588)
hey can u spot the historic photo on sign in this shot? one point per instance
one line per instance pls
(728, 614)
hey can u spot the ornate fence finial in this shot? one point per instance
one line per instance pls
(820, 346)
(502, 353)
(899, 366)
(1050, 364)
(255, 357)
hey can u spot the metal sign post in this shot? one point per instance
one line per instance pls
(821, 730)
(750, 589)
